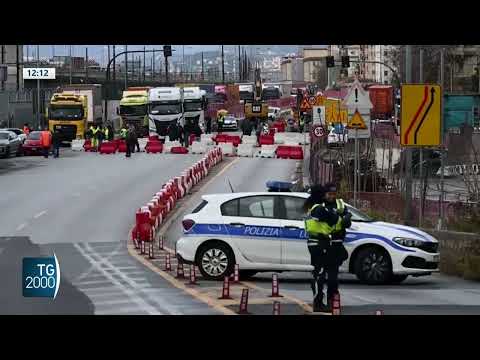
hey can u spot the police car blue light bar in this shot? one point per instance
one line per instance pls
(279, 186)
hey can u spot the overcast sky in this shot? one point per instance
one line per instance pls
(99, 52)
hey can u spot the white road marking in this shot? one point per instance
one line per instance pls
(40, 214)
(21, 226)
(131, 293)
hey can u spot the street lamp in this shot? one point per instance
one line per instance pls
(107, 81)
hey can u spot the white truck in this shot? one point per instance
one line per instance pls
(194, 106)
(165, 108)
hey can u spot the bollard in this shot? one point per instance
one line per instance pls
(168, 264)
(275, 287)
(226, 289)
(336, 304)
(244, 302)
(142, 247)
(151, 255)
(180, 272)
(161, 242)
(236, 274)
(193, 277)
(135, 238)
(276, 308)
(379, 312)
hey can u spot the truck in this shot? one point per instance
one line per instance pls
(194, 105)
(73, 109)
(134, 107)
(165, 109)
(381, 97)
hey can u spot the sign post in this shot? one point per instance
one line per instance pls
(358, 104)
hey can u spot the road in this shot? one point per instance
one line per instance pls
(81, 206)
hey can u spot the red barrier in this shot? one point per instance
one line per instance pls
(244, 302)
(108, 147)
(296, 153)
(275, 287)
(154, 147)
(279, 126)
(122, 146)
(142, 226)
(266, 140)
(272, 131)
(276, 308)
(226, 289)
(191, 139)
(87, 146)
(283, 152)
(180, 272)
(179, 185)
(221, 138)
(179, 150)
(153, 138)
(336, 304)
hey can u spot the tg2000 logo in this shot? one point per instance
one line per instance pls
(41, 277)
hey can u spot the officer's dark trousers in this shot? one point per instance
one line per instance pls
(325, 271)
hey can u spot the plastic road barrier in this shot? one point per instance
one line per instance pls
(249, 139)
(266, 151)
(279, 138)
(154, 147)
(108, 147)
(179, 150)
(199, 148)
(266, 140)
(227, 149)
(245, 150)
(122, 146)
(168, 145)
(77, 144)
(142, 142)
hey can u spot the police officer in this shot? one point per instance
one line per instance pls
(319, 226)
(337, 253)
(123, 133)
(301, 123)
(220, 122)
(95, 133)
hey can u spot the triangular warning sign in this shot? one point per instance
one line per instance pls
(305, 105)
(356, 122)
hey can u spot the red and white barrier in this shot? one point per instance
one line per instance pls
(226, 289)
(275, 286)
(336, 304)
(276, 308)
(244, 302)
(180, 271)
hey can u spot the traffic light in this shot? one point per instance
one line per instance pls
(345, 62)
(167, 50)
(330, 61)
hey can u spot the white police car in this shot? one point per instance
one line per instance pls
(264, 231)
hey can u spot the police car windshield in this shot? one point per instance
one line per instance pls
(357, 215)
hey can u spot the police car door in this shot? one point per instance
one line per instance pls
(294, 242)
(254, 228)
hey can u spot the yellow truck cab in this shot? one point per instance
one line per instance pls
(68, 113)
(134, 107)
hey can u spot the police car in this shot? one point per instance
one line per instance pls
(264, 231)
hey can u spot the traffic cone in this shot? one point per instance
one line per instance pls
(226, 289)
(336, 304)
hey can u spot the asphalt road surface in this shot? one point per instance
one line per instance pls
(81, 206)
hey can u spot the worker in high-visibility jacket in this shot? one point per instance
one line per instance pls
(337, 253)
(319, 225)
(95, 134)
(123, 133)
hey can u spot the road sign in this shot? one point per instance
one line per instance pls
(305, 106)
(312, 100)
(319, 131)
(357, 97)
(356, 122)
(38, 73)
(420, 123)
(318, 113)
(335, 112)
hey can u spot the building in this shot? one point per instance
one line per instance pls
(291, 69)
(12, 56)
(315, 66)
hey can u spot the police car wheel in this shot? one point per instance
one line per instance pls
(215, 261)
(373, 266)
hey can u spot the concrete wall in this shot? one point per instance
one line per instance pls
(459, 253)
